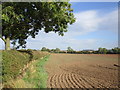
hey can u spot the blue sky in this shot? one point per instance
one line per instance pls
(102, 6)
(96, 26)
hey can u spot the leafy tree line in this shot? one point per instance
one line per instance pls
(115, 50)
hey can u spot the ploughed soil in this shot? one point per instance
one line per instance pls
(82, 71)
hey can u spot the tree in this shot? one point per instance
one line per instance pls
(104, 50)
(116, 50)
(70, 50)
(100, 50)
(57, 50)
(48, 50)
(24, 19)
(109, 51)
(52, 50)
(44, 49)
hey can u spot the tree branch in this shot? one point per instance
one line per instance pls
(3, 39)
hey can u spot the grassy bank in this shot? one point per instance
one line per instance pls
(13, 63)
(36, 75)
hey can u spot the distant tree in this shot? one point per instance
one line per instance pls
(116, 50)
(109, 51)
(70, 50)
(52, 50)
(104, 50)
(57, 50)
(100, 50)
(44, 49)
(48, 50)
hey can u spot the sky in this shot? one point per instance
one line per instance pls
(96, 26)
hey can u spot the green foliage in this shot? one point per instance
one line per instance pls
(57, 50)
(44, 49)
(102, 50)
(70, 50)
(23, 19)
(116, 50)
(52, 50)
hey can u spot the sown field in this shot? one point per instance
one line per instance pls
(82, 71)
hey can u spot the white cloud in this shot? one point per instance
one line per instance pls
(91, 21)
(86, 22)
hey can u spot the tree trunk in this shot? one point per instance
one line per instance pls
(7, 43)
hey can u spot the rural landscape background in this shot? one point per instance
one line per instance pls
(59, 45)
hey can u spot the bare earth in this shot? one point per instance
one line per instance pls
(82, 71)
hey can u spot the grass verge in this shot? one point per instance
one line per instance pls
(35, 76)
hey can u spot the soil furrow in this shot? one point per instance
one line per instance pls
(88, 82)
(54, 81)
(93, 82)
(68, 81)
(79, 80)
(71, 80)
(50, 81)
(61, 81)
(57, 81)
(64, 81)
(85, 83)
(98, 83)
(75, 81)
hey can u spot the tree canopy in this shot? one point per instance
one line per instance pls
(23, 19)
(69, 49)
(44, 49)
(102, 50)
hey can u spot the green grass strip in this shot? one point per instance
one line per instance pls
(42, 73)
(39, 78)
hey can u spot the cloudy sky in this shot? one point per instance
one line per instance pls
(96, 26)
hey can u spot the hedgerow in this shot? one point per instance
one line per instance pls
(13, 61)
